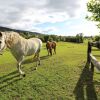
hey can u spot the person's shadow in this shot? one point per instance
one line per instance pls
(85, 89)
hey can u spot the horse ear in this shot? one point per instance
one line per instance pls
(0, 34)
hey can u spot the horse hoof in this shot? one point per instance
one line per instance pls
(24, 75)
(39, 64)
(35, 68)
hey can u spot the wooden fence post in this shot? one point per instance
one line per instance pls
(88, 55)
(88, 52)
(92, 67)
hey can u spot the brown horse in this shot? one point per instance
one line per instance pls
(50, 46)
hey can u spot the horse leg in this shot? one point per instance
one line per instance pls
(50, 51)
(38, 60)
(47, 50)
(19, 66)
(55, 50)
(34, 56)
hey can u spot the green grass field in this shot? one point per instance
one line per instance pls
(64, 76)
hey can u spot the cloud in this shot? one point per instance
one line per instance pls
(24, 14)
(47, 30)
(67, 6)
(28, 14)
(51, 30)
(88, 28)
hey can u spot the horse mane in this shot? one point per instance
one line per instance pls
(12, 38)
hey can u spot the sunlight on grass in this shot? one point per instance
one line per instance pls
(64, 76)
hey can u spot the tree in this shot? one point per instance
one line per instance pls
(93, 6)
(46, 38)
(81, 37)
(54, 37)
(97, 38)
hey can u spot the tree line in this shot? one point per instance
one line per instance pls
(77, 39)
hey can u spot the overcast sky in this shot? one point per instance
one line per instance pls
(61, 17)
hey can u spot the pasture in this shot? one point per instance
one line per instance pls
(64, 76)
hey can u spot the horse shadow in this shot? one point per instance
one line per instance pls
(44, 57)
(31, 60)
(85, 85)
(14, 76)
(8, 79)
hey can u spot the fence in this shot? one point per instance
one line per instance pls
(90, 58)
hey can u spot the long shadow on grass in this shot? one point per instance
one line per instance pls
(44, 57)
(14, 76)
(9, 79)
(31, 60)
(85, 89)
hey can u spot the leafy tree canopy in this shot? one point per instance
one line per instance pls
(93, 6)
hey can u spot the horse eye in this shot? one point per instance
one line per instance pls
(0, 42)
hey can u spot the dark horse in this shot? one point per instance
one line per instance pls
(50, 46)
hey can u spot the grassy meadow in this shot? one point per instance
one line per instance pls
(64, 76)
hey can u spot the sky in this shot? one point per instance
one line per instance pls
(59, 17)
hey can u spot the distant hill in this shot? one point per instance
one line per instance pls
(22, 32)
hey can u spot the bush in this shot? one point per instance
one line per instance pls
(78, 38)
(97, 38)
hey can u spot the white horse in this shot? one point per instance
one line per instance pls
(20, 47)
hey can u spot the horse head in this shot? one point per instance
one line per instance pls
(2, 41)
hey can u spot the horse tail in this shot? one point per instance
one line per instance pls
(39, 48)
(54, 46)
(40, 45)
